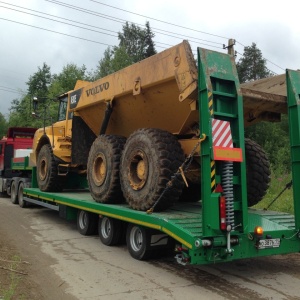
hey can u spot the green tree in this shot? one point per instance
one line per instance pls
(39, 82)
(67, 78)
(21, 109)
(46, 87)
(273, 137)
(20, 113)
(138, 42)
(135, 44)
(3, 126)
(150, 46)
(105, 66)
(252, 65)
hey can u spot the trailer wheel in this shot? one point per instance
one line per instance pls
(86, 222)
(110, 231)
(149, 159)
(138, 242)
(258, 172)
(47, 178)
(13, 193)
(103, 168)
(22, 202)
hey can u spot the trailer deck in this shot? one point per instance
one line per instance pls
(183, 222)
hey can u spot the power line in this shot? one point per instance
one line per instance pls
(46, 18)
(83, 24)
(266, 67)
(122, 21)
(203, 32)
(65, 22)
(267, 61)
(10, 91)
(53, 31)
(57, 20)
(5, 87)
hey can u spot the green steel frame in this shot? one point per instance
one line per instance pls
(220, 98)
(293, 97)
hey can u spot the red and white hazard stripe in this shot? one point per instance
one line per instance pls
(221, 134)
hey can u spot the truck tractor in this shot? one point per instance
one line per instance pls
(134, 135)
(15, 172)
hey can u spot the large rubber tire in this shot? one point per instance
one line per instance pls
(103, 169)
(110, 231)
(258, 172)
(21, 201)
(149, 160)
(87, 222)
(46, 172)
(138, 241)
(13, 192)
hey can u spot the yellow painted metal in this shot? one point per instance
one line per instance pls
(59, 136)
(157, 92)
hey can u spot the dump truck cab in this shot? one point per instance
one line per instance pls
(58, 135)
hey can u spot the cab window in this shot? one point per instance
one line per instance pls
(62, 111)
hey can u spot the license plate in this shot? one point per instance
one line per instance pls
(269, 243)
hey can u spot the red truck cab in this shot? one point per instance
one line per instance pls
(17, 143)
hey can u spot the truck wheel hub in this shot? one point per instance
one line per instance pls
(99, 170)
(43, 169)
(138, 170)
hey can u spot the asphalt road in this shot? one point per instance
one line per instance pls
(67, 265)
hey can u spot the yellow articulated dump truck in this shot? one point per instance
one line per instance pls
(135, 136)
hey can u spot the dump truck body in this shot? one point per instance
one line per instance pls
(159, 92)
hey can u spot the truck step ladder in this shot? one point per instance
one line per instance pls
(221, 103)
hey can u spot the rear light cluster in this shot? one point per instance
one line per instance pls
(222, 213)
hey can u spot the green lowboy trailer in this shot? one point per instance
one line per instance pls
(218, 228)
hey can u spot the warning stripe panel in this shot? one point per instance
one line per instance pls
(213, 175)
(221, 133)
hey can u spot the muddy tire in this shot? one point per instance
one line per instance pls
(258, 172)
(21, 201)
(13, 192)
(110, 231)
(138, 241)
(103, 169)
(87, 222)
(46, 171)
(150, 157)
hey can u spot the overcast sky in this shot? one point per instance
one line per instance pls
(59, 32)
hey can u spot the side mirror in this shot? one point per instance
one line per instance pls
(35, 103)
(35, 107)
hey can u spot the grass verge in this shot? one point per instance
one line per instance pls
(284, 203)
(9, 285)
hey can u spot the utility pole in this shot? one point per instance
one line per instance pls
(230, 48)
